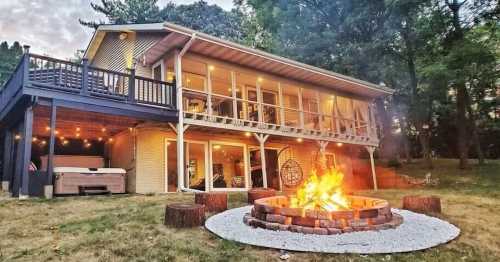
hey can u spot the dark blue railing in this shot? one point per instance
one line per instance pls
(43, 72)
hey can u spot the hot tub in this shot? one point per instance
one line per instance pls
(70, 180)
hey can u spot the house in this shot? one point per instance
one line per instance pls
(180, 110)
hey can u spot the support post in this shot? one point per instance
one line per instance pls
(371, 150)
(301, 110)
(262, 139)
(131, 85)
(7, 160)
(85, 76)
(180, 124)
(49, 187)
(26, 155)
(322, 157)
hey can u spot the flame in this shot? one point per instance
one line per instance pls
(321, 192)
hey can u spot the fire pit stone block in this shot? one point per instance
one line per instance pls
(305, 221)
(276, 218)
(272, 226)
(334, 231)
(320, 231)
(292, 212)
(348, 214)
(368, 213)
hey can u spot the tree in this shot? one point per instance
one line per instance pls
(210, 19)
(9, 58)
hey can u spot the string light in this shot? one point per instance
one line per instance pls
(62, 138)
(17, 137)
(78, 129)
(85, 140)
(35, 139)
(103, 129)
(211, 67)
(99, 139)
(87, 145)
(216, 147)
(56, 132)
(47, 128)
(77, 134)
(110, 140)
(43, 143)
(65, 142)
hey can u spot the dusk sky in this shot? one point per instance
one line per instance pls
(51, 26)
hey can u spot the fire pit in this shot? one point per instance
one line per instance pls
(320, 207)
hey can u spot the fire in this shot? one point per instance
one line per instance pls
(321, 192)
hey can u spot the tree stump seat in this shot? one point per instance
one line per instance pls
(257, 193)
(213, 201)
(184, 215)
(422, 204)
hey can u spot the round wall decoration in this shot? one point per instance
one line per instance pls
(291, 173)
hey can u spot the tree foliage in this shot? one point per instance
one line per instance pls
(9, 58)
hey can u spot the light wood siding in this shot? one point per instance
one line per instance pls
(115, 54)
(122, 156)
(150, 175)
(150, 167)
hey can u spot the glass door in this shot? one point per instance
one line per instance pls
(196, 165)
(229, 166)
(272, 168)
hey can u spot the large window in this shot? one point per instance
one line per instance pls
(222, 102)
(310, 105)
(246, 93)
(291, 105)
(326, 102)
(194, 81)
(345, 115)
(228, 166)
(270, 100)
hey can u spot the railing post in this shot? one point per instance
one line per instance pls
(173, 93)
(85, 77)
(26, 64)
(131, 86)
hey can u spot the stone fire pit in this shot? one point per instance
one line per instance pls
(365, 214)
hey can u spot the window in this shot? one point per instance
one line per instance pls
(157, 72)
(291, 105)
(228, 166)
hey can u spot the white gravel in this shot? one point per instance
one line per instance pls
(416, 233)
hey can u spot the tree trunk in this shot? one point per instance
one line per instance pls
(213, 201)
(405, 140)
(424, 139)
(184, 215)
(387, 145)
(462, 138)
(474, 133)
(422, 204)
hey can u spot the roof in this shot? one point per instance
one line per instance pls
(225, 50)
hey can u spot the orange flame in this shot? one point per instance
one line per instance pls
(321, 192)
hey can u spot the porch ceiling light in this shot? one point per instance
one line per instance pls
(216, 147)
(260, 79)
(99, 139)
(339, 144)
(35, 139)
(211, 67)
(248, 134)
(17, 137)
(299, 140)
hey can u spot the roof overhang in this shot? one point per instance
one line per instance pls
(217, 48)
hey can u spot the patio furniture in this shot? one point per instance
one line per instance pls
(184, 215)
(213, 201)
(422, 204)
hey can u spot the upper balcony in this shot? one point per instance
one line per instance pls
(88, 88)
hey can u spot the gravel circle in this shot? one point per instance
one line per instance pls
(417, 232)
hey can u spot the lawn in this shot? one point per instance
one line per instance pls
(129, 227)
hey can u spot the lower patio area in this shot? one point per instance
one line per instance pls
(130, 227)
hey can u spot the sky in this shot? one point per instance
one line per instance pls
(51, 27)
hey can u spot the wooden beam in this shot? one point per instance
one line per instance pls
(25, 147)
(8, 157)
(371, 150)
(52, 141)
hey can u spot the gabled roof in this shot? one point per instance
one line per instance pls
(218, 48)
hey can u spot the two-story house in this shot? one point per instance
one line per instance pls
(181, 110)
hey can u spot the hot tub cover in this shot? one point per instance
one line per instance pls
(89, 171)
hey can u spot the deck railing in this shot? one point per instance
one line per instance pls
(80, 78)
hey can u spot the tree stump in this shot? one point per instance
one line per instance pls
(257, 193)
(422, 204)
(184, 215)
(213, 201)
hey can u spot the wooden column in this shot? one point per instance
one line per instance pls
(262, 139)
(180, 124)
(50, 159)
(8, 157)
(25, 147)
(281, 103)
(371, 150)
(301, 110)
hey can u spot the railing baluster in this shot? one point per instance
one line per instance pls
(85, 76)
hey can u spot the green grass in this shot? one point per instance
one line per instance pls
(130, 228)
